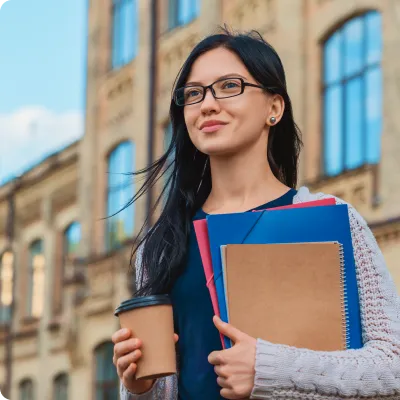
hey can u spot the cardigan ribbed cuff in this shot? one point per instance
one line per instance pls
(125, 394)
(266, 370)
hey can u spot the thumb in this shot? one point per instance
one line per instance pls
(227, 329)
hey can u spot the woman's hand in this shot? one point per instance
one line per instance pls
(126, 354)
(234, 366)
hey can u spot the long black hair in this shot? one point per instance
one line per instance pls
(163, 248)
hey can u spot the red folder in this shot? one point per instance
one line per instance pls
(324, 202)
(201, 231)
(200, 227)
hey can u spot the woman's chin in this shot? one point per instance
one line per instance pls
(218, 151)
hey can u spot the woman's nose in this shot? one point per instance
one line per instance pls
(210, 103)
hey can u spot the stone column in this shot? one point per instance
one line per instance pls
(44, 384)
(210, 16)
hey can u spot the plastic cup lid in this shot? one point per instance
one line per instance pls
(145, 301)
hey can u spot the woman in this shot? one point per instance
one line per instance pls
(235, 148)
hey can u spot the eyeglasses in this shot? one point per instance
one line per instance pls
(221, 89)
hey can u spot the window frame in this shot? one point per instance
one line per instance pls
(109, 244)
(65, 254)
(22, 383)
(31, 276)
(63, 259)
(3, 308)
(173, 16)
(59, 379)
(107, 383)
(342, 83)
(117, 57)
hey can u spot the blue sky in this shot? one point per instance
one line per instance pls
(42, 79)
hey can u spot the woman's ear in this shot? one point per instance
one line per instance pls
(276, 110)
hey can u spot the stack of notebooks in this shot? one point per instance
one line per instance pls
(286, 275)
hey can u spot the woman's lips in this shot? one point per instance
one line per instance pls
(212, 128)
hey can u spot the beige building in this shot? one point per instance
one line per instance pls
(64, 268)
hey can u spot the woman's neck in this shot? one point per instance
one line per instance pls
(241, 182)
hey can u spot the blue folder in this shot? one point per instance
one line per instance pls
(297, 225)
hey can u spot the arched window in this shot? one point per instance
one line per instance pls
(60, 387)
(26, 390)
(353, 94)
(121, 162)
(67, 252)
(6, 285)
(106, 378)
(36, 280)
(125, 32)
(72, 238)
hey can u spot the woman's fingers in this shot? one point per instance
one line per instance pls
(121, 335)
(127, 353)
(126, 346)
(123, 363)
(222, 382)
(220, 371)
(129, 374)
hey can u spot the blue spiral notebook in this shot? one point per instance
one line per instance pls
(299, 225)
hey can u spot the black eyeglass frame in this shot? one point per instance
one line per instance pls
(243, 85)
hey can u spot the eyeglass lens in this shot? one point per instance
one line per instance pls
(223, 88)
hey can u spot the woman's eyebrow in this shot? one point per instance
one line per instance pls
(232, 75)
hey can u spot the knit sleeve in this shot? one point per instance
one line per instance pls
(163, 388)
(284, 372)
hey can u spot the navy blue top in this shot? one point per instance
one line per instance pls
(193, 313)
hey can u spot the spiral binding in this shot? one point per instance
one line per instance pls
(345, 305)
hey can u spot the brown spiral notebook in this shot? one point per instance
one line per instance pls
(288, 294)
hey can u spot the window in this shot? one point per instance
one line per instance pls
(67, 251)
(6, 285)
(181, 12)
(120, 191)
(60, 387)
(72, 238)
(26, 390)
(353, 94)
(107, 382)
(35, 300)
(125, 32)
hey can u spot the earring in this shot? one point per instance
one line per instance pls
(272, 120)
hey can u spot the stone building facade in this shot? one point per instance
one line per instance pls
(64, 267)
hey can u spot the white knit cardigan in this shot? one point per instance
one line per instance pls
(373, 372)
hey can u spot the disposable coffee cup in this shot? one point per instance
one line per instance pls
(150, 319)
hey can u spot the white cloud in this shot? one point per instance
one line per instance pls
(31, 133)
